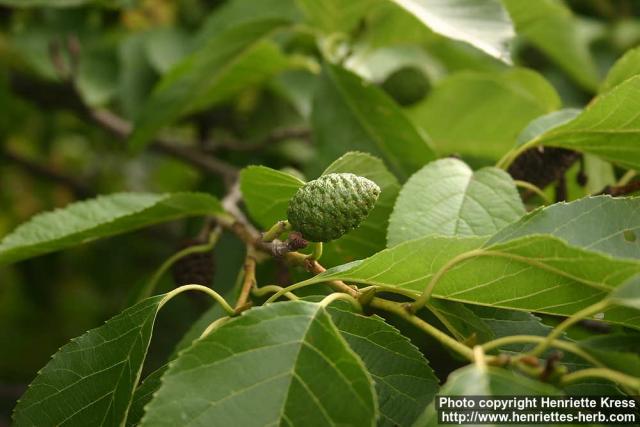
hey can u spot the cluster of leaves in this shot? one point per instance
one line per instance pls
(450, 249)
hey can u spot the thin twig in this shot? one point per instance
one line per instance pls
(249, 279)
(80, 189)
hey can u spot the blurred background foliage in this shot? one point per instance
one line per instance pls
(61, 65)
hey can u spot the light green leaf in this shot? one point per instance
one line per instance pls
(545, 123)
(447, 198)
(332, 16)
(625, 68)
(474, 380)
(267, 192)
(551, 27)
(287, 359)
(103, 216)
(460, 112)
(350, 114)
(609, 127)
(370, 236)
(602, 223)
(234, 59)
(600, 174)
(404, 381)
(484, 24)
(166, 46)
(627, 295)
(537, 273)
(91, 380)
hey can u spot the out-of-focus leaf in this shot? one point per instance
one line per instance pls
(350, 114)
(460, 112)
(165, 47)
(335, 15)
(551, 27)
(547, 122)
(447, 197)
(103, 216)
(267, 192)
(484, 24)
(625, 68)
(231, 61)
(137, 76)
(44, 3)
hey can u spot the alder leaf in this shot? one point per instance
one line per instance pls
(618, 351)
(460, 112)
(91, 380)
(103, 216)
(550, 26)
(628, 294)
(474, 380)
(624, 68)
(334, 16)
(288, 359)
(602, 223)
(608, 127)
(370, 236)
(403, 379)
(536, 273)
(231, 60)
(351, 114)
(484, 24)
(267, 192)
(448, 198)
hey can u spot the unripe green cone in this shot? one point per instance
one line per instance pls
(332, 205)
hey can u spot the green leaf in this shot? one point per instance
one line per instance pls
(233, 60)
(103, 216)
(536, 273)
(625, 68)
(460, 112)
(370, 236)
(545, 123)
(350, 114)
(287, 359)
(267, 192)
(504, 323)
(404, 381)
(484, 24)
(91, 380)
(551, 27)
(609, 127)
(602, 223)
(333, 16)
(620, 352)
(447, 198)
(143, 395)
(474, 380)
(461, 321)
(627, 295)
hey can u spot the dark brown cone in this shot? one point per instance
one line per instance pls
(195, 268)
(543, 165)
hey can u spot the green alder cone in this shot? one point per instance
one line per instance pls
(332, 205)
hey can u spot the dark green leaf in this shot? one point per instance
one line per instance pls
(601, 223)
(287, 359)
(620, 352)
(143, 394)
(333, 16)
(350, 114)
(103, 216)
(91, 380)
(233, 60)
(447, 198)
(404, 381)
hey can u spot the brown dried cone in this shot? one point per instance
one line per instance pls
(197, 268)
(543, 165)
